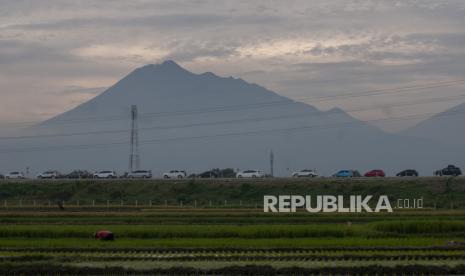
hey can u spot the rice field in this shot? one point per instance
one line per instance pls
(218, 228)
(231, 241)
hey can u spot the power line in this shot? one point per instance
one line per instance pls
(257, 132)
(246, 120)
(300, 100)
(312, 99)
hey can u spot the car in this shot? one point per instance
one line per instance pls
(227, 173)
(450, 170)
(356, 173)
(208, 174)
(15, 175)
(305, 173)
(215, 173)
(175, 174)
(250, 174)
(343, 173)
(49, 175)
(407, 173)
(2, 176)
(140, 174)
(105, 174)
(375, 173)
(347, 173)
(79, 174)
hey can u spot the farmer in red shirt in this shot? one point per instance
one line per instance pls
(104, 235)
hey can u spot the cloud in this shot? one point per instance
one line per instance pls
(78, 90)
(121, 52)
(173, 21)
(297, 47)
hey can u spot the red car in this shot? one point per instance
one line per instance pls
(375, 173)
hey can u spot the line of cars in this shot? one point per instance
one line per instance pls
(352, 173)
(450, 170)
(372, 173)
(54, 174)
(13, 175)
(104, 174)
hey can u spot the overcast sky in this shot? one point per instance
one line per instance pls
(55, 54)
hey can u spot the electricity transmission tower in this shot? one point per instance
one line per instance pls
(134, 154)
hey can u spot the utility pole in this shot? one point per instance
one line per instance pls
(134, 147)
(271, 163)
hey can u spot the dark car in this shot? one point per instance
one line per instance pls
(140, 174)
(408, 173)
(450, 170)
(2, 176)
(79, 174)
(356, 173)
(209, 174)
(375, 173)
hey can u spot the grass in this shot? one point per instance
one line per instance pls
(182, 231)
(241, 268)
(380, 229)
(213, 216)
(62, 241)
(420, 227)
(221, 242)
(225, 231)
(435, 191)
(393, 233)
(301, 264)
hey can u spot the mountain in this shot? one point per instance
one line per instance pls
(202, 121)
(446, 127)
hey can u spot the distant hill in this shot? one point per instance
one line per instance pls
(201, 121)
(446, 127)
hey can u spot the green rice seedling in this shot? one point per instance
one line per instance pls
(420, 226)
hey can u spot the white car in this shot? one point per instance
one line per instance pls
(49, 174)
(250, 174)
(305, 173)
(105, 174)
(175, 174)
(15, 175)
(140, 174)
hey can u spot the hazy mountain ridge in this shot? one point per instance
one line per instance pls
(445, 127)
(200, 121)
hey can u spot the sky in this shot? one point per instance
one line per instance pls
(56, 54)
